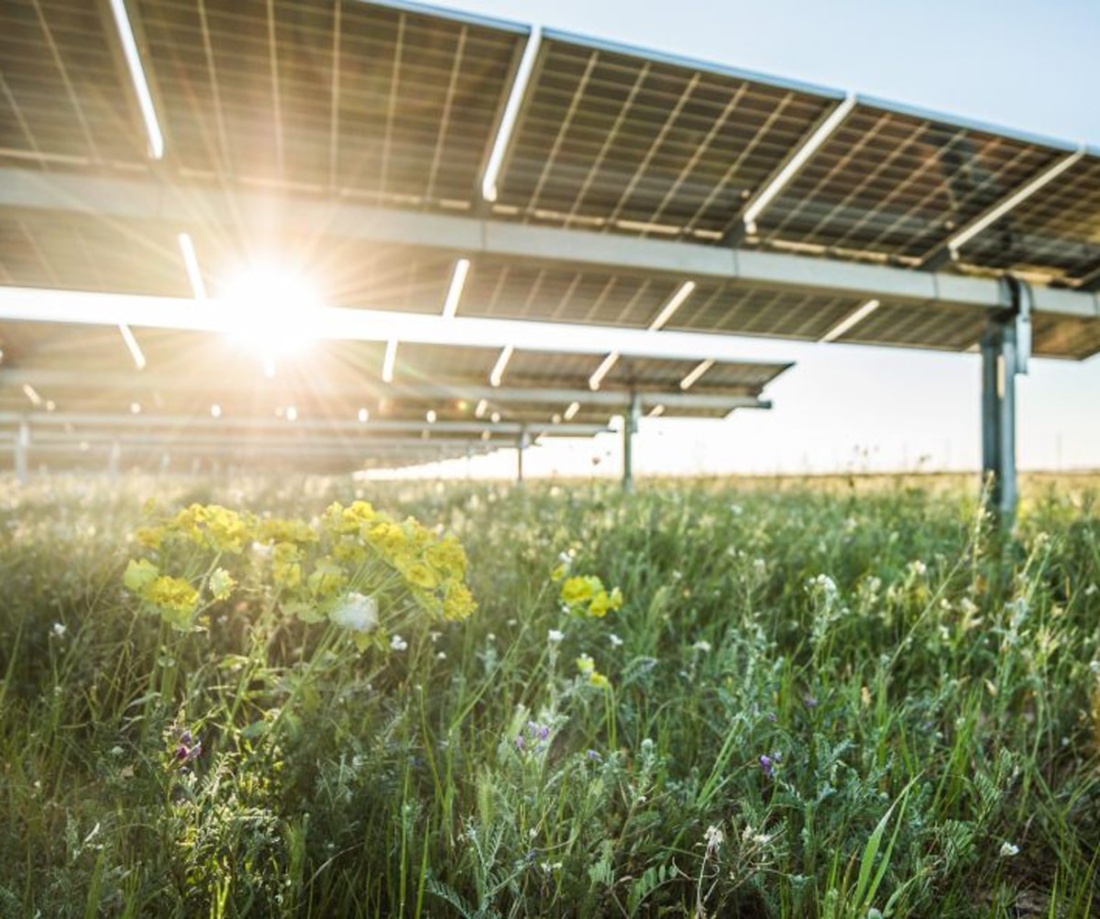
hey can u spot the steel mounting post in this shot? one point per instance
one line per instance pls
(1006, 348)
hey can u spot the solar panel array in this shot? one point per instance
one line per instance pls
(402, 106)
(331, 404)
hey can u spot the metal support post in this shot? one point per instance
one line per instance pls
(1005, 346)
(521, 445)
(630, 428)
(22, 444)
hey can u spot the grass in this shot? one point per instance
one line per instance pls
(829, 701)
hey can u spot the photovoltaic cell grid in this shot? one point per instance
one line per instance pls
(898, 185)
(61, 90)
(611, 140)
(1057, 230)
(382, 102)
(400, 105)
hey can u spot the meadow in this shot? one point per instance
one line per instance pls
(838, 700)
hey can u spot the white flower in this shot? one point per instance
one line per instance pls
(825, 584)
(397, 643)
(616, 641)
(441, 656)
(714, 838)
(1008, 850)
(918, 568)
(555, 637)
(701, 646)
(356, 612)
(59, 629)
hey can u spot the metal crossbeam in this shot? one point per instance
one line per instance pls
(143, 200)
(45, 380)
(501, 428)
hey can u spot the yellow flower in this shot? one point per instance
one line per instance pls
(586, 665)
(274, 529)
(603, 602)
(149, 537)
(579, 590)
(174, 598)
(221, 584)
(226, 530)
(458, 602)
(388, 538)
(448, 558)
(421, 575)
(598, 680)
(327, 579)
(286, 570)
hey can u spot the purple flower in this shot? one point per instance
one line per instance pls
(520, 742)
(594, 756)
(767, 766)
(187, 750)
(541, 732)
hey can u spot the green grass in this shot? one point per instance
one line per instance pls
(925, 695)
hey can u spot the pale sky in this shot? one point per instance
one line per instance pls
(1024, 64)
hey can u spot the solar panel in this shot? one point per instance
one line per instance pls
(385, 102)
(328, 107)
(894, 184)
(1056, 231)
(616, 140)
(62, 92)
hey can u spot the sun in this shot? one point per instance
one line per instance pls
(270, 310)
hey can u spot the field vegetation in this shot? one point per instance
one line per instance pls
(843, 700)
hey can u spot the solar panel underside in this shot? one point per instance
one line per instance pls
(399, 105)
(897, 186)
(614, 141)
(62, 90)
(381, 102)
(1055, 231)
(186, 373)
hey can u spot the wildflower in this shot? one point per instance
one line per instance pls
(458, 602)
(918, 568)
(825, 585)
(59, 629)
(356, 612)
(520, 742)
(767, 765)
(565, 564)
(585, 664)
(714, 838)
(594, 757)
(1008, 850)
(540, 732)
(616, 641)
(555, 637)
(599, 681)
(703, 647)
(174, 598)
(605, 602)
(221, 584)
(441, 656)
(579, 590)
(397, 643)
(189, 748)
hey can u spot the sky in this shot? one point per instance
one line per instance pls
(1023, 64)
